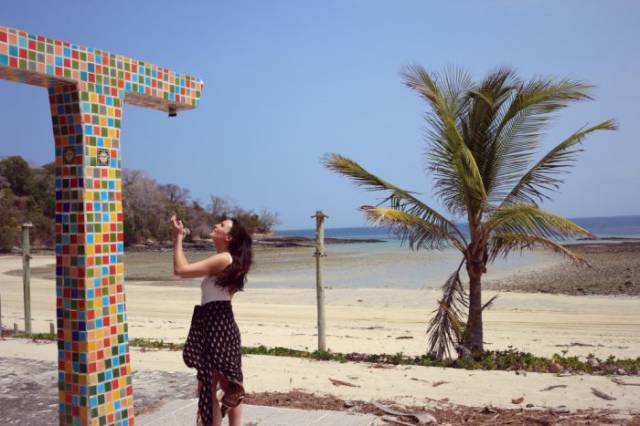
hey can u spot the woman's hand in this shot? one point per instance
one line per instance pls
(177, 228)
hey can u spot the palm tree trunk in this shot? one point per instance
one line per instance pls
(473, 339)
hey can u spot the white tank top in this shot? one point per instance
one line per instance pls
(211, 291)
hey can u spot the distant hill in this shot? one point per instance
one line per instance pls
(27, 193)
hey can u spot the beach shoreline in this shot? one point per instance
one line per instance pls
(614, 269)
(367, 320)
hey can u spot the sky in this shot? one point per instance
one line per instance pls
(289, 81)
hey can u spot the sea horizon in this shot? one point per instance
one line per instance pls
(602, 226)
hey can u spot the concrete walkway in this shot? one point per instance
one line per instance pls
(182, 412)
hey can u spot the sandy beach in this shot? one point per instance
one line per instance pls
(364, 320)
(369, 320)
(407, 385)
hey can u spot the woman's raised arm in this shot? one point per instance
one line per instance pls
(181, 266)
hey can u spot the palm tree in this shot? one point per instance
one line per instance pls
(481, 150)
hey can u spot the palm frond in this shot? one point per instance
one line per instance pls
(486, 103)
(545, 96)
(504, 243)
(418, 232)
(456, 172)
(489, 302)
(445, 93)
(519, 127)
(543, 176)
(446, 327)
(399, 199)
(526, 219)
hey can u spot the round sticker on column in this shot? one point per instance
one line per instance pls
(68, 155)
(103, 157)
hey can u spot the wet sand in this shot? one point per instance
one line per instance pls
(384, 265)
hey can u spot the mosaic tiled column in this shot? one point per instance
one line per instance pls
(87, 90)
(93, 355)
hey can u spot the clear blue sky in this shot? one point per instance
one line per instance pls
(288, 81)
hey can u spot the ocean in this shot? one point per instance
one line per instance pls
(391, 264)
(603, 227)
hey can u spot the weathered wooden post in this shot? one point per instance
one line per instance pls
(319, 254)
(26, 275)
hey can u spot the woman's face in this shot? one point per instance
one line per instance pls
(222, 231)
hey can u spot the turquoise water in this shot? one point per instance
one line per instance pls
(390, 264)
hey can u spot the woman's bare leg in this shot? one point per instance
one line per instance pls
(217, 414)
(234, 415)
(199, 421)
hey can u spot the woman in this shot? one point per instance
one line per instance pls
(213, 345)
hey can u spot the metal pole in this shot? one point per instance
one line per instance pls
(26, 275)
(319, 254)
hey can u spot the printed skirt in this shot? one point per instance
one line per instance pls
(213, 346)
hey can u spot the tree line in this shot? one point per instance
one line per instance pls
(27, 194)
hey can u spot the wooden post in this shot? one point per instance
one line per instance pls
(26, 275)
(52, 329)
(319, 254)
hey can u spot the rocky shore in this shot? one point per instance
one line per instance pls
(614, 270)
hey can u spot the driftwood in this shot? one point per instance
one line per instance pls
(621, 382)
(337, 382)
(422, 418)
(488, 409)
(552, 387)
(586, 345)
(602, 395)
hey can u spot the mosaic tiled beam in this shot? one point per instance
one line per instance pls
(87, 89)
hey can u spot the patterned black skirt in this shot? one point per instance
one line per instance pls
(213, 346)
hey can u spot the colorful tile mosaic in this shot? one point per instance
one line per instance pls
(87, 89)
(43, 61)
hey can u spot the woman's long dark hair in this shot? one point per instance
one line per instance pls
(235, 275)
